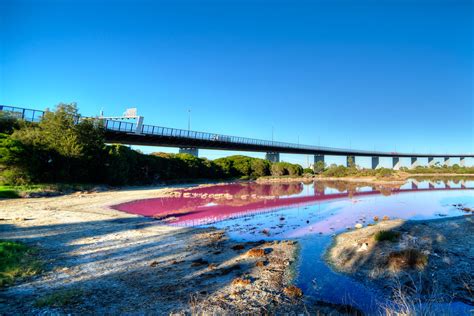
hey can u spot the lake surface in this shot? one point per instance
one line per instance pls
(311, 213)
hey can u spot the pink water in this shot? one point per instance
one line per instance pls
(312, 214)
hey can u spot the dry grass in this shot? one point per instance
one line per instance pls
(412, 298)
(256, 252)
(406, 259)
(260, 264)
(240, 282)
(293, 291)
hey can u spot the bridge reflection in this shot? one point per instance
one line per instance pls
(210, 204)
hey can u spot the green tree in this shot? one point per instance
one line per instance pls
(319, 167)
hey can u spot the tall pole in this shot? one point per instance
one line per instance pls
(272, 133)
(189, 120)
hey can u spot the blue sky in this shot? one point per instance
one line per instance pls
(389, 75)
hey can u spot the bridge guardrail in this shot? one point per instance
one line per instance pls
(29, 115)
(127, 127)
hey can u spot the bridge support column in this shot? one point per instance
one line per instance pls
(272, 157)
(447, 161)
(431, 161)
(396, 163)
(189, 150)
(350, 161)
(318, 158)
(414, 162)
(462, 161)
(375, 162)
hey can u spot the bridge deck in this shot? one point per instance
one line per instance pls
(151, 135)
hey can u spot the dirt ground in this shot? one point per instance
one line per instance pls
(433, 259)
(102, 261)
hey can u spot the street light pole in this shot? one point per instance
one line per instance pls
(189, 120)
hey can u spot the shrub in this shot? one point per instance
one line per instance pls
(286, 168)
(388, 235)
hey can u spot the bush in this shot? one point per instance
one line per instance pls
(243, 166)
(386, 235)
(285, 168)
(308, 171)
(319, 167)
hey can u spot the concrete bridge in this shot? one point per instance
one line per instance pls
(118, 130)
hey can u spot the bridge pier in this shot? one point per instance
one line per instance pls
(431, 161)
(396, 163)
(447, 161)
(462, 161)
(350, 161)
(318, 158)
(189, 150)
(414, 162)
(272, 157)
(375, 162)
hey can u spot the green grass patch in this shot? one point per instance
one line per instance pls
(8, 193)
(17, 260)
(16, 191)
(61, 298)
(387, 235)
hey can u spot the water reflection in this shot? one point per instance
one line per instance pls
(211, 204)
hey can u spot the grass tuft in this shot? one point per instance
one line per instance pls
(60, 298)
(17, 260)
(407, 259)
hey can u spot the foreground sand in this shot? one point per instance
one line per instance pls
(431, 260)
(114, 263)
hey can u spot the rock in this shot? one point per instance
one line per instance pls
(358, 225)
(199, 262)
(238, 247)
(363, 247)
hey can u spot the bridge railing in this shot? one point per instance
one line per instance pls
(29, 115)
(127, 127)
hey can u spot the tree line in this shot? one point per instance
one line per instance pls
(62, 148)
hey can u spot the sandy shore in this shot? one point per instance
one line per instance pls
(116, 263)
(432, 259)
